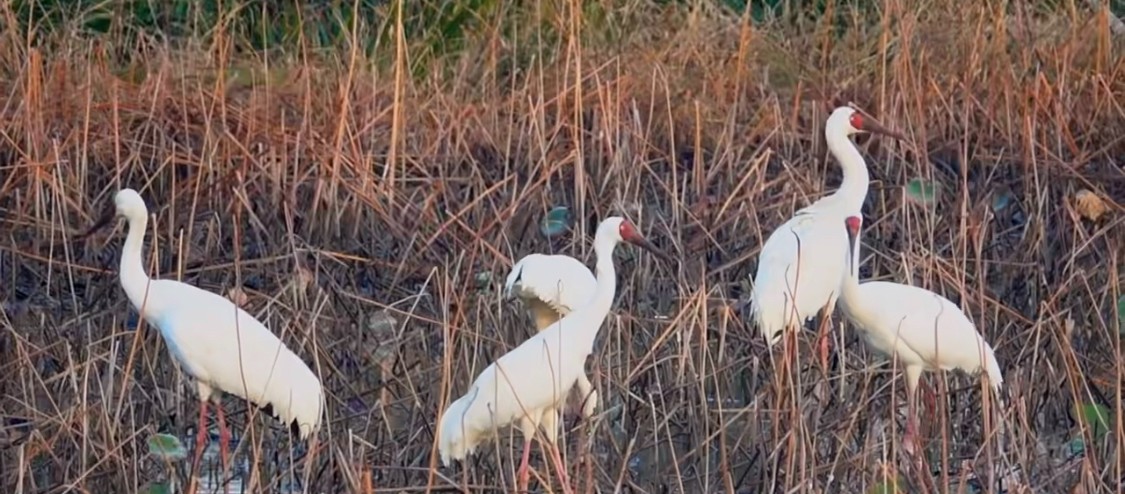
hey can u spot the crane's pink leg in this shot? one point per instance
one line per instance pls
(825, 325)
(563, 477)
(201, 436)
(224, 437)
(910, 436)
(522, 473)
(790, 351)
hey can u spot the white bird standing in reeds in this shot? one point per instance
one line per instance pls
(917, 327)
(218, 344)
(528, 385)
(804, 260)
(553, 286)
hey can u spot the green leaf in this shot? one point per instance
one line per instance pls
(483, 279)
(1121, 314)
(166, 446)
(1001, 201)
(556, 222)
(922, 191)
(889, 486)
(157, 488)
(1096, 418)
(1077, 446)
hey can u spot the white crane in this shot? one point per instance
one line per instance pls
(528, 385)
(919, 328)
(217, 343)
(804, 260)
(553, 286)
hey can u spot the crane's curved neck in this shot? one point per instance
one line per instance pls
(602, 300)
(133, 277)
(853, 190)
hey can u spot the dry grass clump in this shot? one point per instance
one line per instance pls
(327, 186)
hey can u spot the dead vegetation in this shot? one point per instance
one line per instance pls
(323, 188)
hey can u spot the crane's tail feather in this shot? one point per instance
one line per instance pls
(995, 376)
(455, 440)
(767, 314)
(294, 425)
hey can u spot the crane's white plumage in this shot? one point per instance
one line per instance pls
(925, 330)
(804, 260)
(217, 343)
(528, 385)
(563, 283)
(919, 328)
(799, 270)
(553, 286)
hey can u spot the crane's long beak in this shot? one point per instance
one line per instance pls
(870, 125)
(853, 236)
(642, 242)
(107, 217)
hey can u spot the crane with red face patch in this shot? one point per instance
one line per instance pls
(804, 260)
(917, 327)
(528, 385)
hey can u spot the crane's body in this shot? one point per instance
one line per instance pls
(521, 387)
(796, 269)
(917, 327)
(803, 261)
(528, 385)
(553, 286)
(929, 331)
(221, 346)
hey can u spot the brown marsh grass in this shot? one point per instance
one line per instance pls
(329, 186)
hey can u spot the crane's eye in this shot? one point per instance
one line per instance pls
(856, 120)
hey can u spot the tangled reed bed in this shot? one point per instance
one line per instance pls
(320, 190)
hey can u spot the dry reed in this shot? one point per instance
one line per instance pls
(327, 187)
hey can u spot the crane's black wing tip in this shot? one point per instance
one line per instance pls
(294, 426)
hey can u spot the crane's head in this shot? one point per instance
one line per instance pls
(129, 204)
(620, 229)
(850, 121)
(853, 223)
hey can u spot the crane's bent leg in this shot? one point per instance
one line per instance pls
(588, 395)
(201, 436)
(224, 436)
(522, 473)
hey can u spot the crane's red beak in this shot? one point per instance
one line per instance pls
(871, 125)
(107, 216)
(853, 223)
(639, 241)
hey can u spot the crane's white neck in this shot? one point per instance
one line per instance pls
(602, 300)
(851, 297)
(853, 190)
(133, 277)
